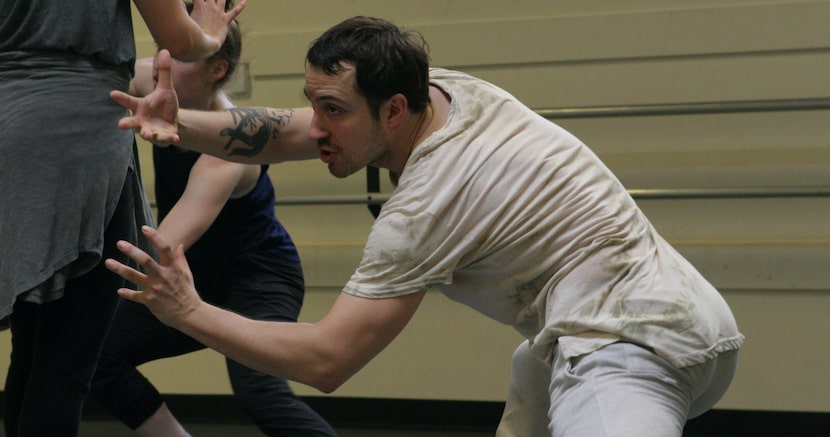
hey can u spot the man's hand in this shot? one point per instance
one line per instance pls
(212, 18)
(155, 115)
(167, 286)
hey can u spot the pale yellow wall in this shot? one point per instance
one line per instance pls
(768, 256)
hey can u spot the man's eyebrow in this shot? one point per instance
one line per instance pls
(327, 97)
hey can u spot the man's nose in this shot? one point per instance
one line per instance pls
(315, 131)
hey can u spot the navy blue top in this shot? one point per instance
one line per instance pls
(245, 224)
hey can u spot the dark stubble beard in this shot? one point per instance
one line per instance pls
(373, 150)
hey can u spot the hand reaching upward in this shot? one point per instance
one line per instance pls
(213, 19)
(155, 116)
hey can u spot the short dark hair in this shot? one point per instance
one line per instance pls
(387, 60)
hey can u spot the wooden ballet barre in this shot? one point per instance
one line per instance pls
(726, 107)
(373, 199)
(640, 194)
(729, 193)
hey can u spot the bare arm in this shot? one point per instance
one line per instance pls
(247, 135)
(210, 184)
(142, 82)
(323, 355)
(188, 37)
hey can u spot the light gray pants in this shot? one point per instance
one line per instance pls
(620, 390)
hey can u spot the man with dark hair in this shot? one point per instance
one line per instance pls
(497, 208)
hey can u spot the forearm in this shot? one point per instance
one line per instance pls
(210, 183)
(188, 36)
(191, 44)
(287, 350)
(323, 355)
(198, 46)
(181, 231)
(254, 135)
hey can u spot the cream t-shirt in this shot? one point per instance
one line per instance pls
(506, 212)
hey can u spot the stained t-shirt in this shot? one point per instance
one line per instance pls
(506, 212)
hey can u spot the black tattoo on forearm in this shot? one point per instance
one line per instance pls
(254, 128)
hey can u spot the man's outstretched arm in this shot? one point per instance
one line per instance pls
(323, 354)
(254, 135)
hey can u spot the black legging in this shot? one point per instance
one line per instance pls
(56, 345)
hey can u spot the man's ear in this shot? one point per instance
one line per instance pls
(219, 70)
(396, 109)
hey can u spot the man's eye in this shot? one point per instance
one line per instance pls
(332, 109)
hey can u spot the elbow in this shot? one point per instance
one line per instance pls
(329, 378)
(327, 388)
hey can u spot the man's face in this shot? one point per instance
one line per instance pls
(348, 137)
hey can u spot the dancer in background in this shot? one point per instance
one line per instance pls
(68, 186)
(242, 258)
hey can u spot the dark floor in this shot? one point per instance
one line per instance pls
(106, 428)
(99, 428)
(215, 416)
(112, 429)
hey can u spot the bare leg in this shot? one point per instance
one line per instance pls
(162, 422)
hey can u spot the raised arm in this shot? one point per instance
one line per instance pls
(248, 135)
(189, 37)
(323, 355)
